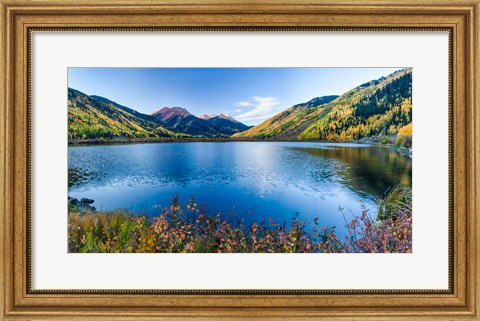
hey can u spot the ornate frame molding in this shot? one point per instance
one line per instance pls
(20, 19)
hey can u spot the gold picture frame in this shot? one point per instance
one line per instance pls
(20, 19)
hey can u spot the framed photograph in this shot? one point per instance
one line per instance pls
(219, 160)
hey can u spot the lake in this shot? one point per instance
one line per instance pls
(248, 180)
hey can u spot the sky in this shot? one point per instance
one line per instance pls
(250, 95)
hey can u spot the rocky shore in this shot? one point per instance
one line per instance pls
(84, 204)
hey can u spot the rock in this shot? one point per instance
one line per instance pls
(87, 201)
(83, 204)
(72, 201)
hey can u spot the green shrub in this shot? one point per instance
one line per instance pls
(398, 198)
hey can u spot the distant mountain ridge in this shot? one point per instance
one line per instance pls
(224, 116)
(226, 123)
(210, 125)
(171, 112)
(95, 117)
(183, 121)
(206, 116)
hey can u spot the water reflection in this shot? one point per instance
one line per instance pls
(253, 180)
(370, 169)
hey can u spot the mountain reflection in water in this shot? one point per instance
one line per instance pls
(252, 181)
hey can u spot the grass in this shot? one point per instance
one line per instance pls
(189, 229)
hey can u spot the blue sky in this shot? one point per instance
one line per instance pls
(251, 95)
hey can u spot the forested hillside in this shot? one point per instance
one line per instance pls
(382, 106)
(291, 122)
(97, 117)
(378, 107)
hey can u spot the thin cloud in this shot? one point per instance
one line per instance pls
(244, 104)
(238, 110)
(263, 108)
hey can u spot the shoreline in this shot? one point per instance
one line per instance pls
(100, 142)
(96, 141)
(128, 141)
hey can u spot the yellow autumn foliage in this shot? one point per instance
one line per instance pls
(404, 136)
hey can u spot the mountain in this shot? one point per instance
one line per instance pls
(376, 108)
(206, 116)
(222, 116)
(183, 121)
(173, 114)
(291, 122)
(317, 101)
(225, 123)
(93, 117)
(128, 110)
(380, 108)
(208, 125)
(98, 117)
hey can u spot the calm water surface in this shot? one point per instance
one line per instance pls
(249, 180)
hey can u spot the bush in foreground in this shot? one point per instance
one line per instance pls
(404, 137)
(189, 229)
